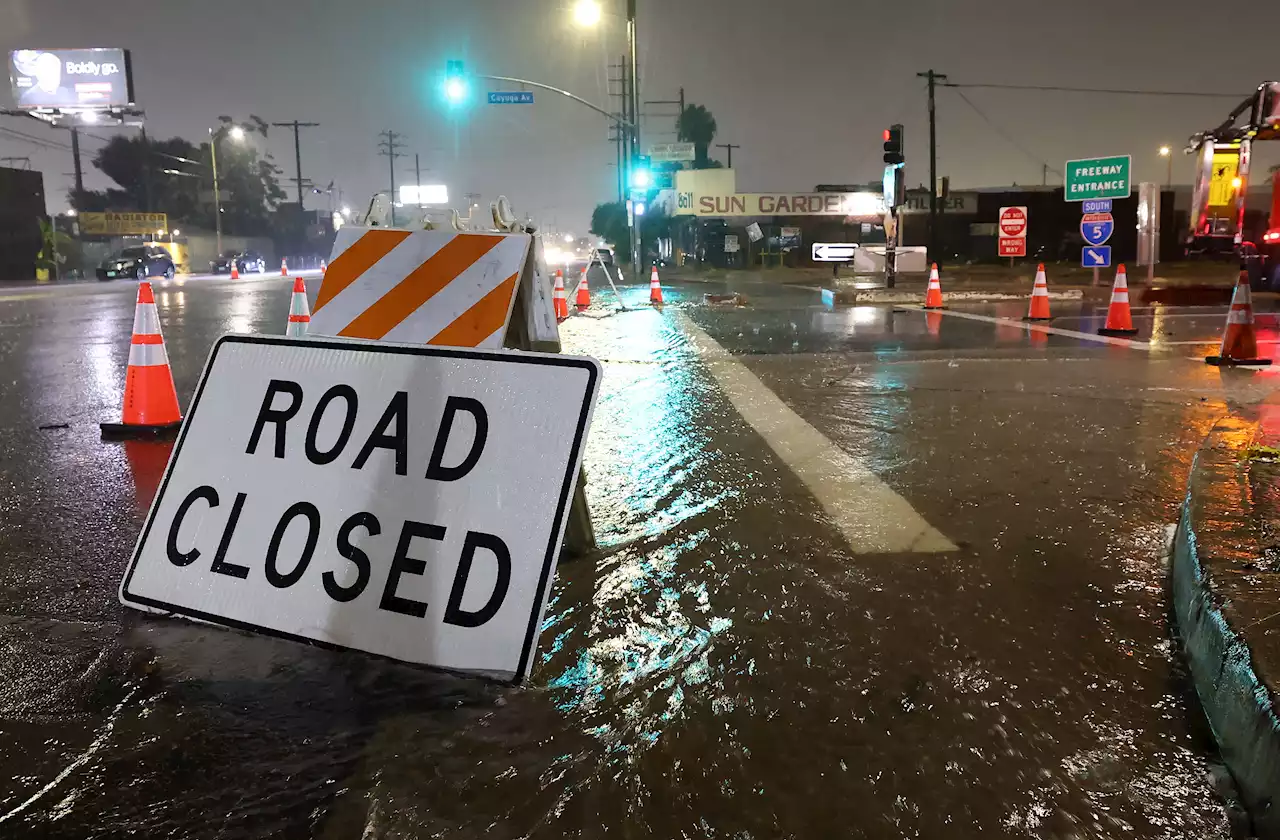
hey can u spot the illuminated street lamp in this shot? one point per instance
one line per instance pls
(237, 134)
(1167, 153)
(586, 14)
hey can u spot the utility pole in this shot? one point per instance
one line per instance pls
(417, 176)
(75, 156)
(297, 150)
(1044, 174)
(933, 78)
(390, 148)
(679, 103)
(634, 148)
(146, 171)
(728, 147)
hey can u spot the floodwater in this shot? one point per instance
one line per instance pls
(731, 664)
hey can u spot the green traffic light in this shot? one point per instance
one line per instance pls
(456, 89)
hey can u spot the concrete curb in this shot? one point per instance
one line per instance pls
(1240, 709)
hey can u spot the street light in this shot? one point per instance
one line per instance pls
(1167, 153)
(586, 13)
(237, 134)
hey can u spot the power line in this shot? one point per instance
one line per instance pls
(1113, 91)
(39, 141)
(1005, 135)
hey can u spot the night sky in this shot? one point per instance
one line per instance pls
(804, 86)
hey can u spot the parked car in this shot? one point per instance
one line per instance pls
(246, 262)
(139, 263)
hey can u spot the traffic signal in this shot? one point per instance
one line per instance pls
(455, 83)
(641, 173)
(893, 145)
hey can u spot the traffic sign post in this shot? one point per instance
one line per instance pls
(402, 500)
(1093, 178)
(1013, 225)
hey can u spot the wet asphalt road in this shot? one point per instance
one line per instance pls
(737, 664)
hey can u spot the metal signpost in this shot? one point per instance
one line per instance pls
(1013, 225)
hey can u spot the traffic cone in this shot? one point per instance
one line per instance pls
(150, 400)
(933, 297)
(1119, 321)
(324, 266)
(235, 271)
(558, 299)
(1239, 340)
(284, 267)
(1039, 310)
(299, 311)
(655, 288)
(583, 298)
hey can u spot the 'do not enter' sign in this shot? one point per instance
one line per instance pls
(405, 501)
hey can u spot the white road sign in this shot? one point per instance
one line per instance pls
(406, 501)
(834, 251)
(672, 152)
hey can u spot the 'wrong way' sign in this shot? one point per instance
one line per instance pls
(405, 501)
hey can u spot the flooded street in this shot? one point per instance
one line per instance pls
(868, 572)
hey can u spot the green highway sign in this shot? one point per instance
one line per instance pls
(1106, 177)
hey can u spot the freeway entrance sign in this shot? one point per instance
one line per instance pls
(510, 97)
(1096, 256)
(834, 251)
(1096, 228)
(1105, 177)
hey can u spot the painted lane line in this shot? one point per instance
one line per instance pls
(1030, 327)
(872, 517)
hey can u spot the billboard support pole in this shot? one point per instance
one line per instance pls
(217, 200)
(75, 154)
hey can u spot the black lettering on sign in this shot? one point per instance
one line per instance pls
(219, 559)
(343, 594)
(274, 577)
(435, 469)
(279, 416)
(402, 563)
(454, 613)
(348, 395)
(397, 412)
(176, 556)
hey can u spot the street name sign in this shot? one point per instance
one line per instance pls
(834, 251)
(1096, 256)
(1013, 223)
(1096, 228)
(510, 97)
(401, 500)
(1104, 177)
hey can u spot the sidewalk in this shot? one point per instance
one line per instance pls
(1209, 282)
(1226, 598)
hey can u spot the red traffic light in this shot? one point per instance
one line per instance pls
(887, 135)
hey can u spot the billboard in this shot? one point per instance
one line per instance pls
(411, 194)
(89, 78)
(123, 224)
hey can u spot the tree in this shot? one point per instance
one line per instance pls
(697, 125)
(609, 222)
(181, 180)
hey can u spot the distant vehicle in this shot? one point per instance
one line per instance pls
(138, 263)
(246, 262)
(604, 255)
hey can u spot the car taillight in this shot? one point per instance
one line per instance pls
(1271, 236)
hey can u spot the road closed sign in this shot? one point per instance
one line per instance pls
(1012, 226)
(404, 501)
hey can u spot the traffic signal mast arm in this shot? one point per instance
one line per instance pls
(617, 119)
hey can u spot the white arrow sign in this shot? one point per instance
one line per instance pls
(834, 251)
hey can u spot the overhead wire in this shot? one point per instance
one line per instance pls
(1112, 91)
(1007, 137)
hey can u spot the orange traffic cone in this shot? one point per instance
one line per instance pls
(558, 299)
(933, 297)
(150, 400)
(235, 271)
(1039, 310)
(655, 288)
(284, 267)
(1119, 320)
(1239, 340)
(324, 266)
(583, 299)
(299, 311)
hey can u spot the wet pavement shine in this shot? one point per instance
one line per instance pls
(867, 572)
